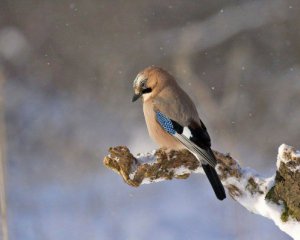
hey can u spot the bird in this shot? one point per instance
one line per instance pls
(173, 122)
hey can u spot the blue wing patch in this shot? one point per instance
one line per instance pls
(184, 135)
(165, 122)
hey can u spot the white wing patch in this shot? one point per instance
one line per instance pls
(187, 132)
(204, 156)
(198, 152)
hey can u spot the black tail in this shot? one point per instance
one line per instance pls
(214, 181)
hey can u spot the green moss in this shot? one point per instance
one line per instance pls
(271, 196)
(286, 191)
(253, 187)
(285, 213)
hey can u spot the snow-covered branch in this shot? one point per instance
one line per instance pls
(276, 197)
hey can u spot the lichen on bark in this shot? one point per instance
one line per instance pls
(166, 165)
(286, 189)
(244, 185)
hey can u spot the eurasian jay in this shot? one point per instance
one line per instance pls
(173, 122)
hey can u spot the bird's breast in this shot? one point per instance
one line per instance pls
(156, 132)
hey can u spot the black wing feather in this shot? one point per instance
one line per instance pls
(214, 181)
(199, 135)
(201, 138)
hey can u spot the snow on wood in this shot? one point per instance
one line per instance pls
(276, 197)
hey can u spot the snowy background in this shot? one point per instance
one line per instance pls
(69, 67)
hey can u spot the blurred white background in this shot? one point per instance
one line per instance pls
(69, 67)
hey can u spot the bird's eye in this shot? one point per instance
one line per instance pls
(143, 83)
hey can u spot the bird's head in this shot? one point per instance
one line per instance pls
(149, 82)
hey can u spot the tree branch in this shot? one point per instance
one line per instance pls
(277, 197)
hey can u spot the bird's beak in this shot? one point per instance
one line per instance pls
(136, 97)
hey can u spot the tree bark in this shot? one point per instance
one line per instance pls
(276, 197)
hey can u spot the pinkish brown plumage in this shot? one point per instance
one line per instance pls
(168, 98)
(172, 119)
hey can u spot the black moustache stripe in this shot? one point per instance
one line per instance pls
(147, 90)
